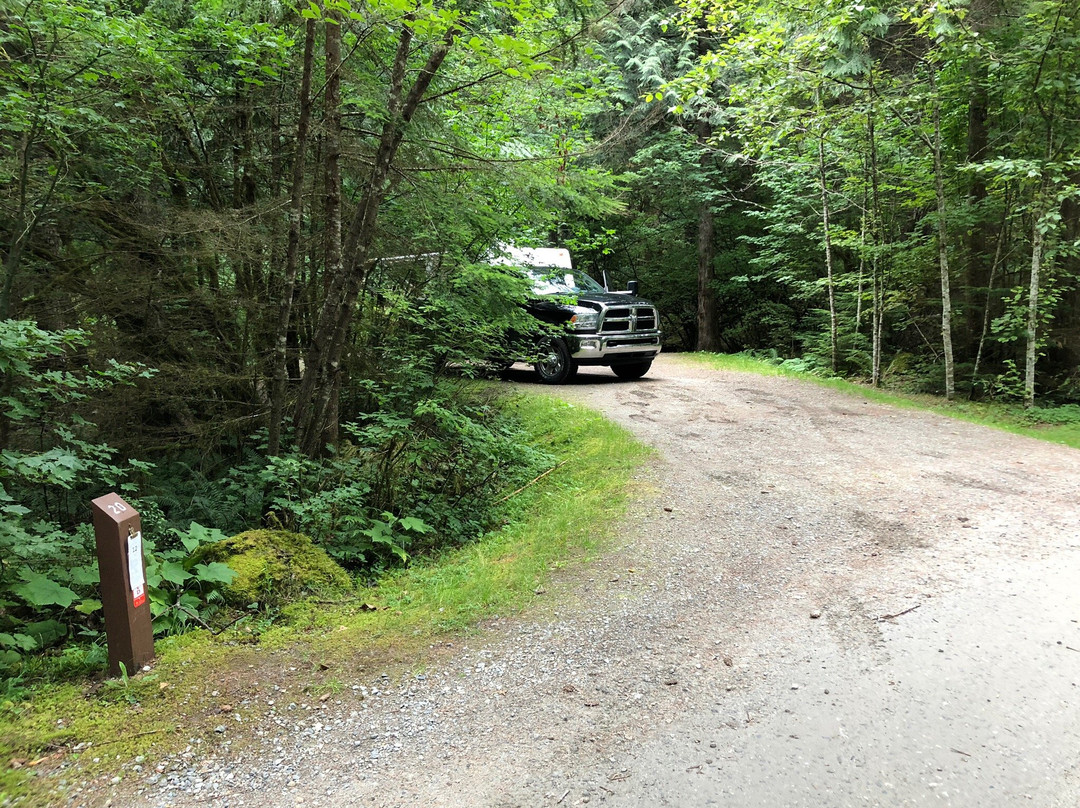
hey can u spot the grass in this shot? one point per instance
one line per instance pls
(999, 416)
(315, 649)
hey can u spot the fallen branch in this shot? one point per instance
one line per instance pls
(531, 482)
(206, 625)
(46, 758)
(898, 614)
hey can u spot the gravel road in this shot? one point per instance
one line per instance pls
(819, 601)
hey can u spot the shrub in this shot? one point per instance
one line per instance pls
(49, 465)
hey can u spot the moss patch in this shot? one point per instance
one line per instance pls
(276, 567)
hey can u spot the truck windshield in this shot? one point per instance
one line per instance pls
(559, 281)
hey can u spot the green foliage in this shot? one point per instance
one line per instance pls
(144, 217)
(1065, 415)
(862, 89)
(418, 470)
(183, 589)
(49, 461)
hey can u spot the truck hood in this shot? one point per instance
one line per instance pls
(612, 299)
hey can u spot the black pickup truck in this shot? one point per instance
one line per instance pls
(593, 326)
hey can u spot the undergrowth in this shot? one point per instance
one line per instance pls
(52, 716)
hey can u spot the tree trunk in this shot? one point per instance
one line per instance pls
(11, 266)
(979, 235)
(707, 337)
(828, 253)
(331, 330)
(1003, 236)
(1031, 355)
(332, 146)
(859, 291)
(983, 17)
(943, 250)
(875, 324)
(332, 263)
(862, 257)
(877, 238)
(292, 250)
(25, 221)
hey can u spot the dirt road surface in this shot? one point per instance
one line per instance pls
(818, 601)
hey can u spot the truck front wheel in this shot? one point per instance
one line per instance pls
(632, 370)
(554, 365)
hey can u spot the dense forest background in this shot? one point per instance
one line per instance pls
(198, 199)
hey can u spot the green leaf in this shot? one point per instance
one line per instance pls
(198, 535)
(40, 590)
(46, 631)
(86, 575)
(215, 573)
(173, 572)
(88, 606)
(414, 524)
(20, 641)
(379, 532)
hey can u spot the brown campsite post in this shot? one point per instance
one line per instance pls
(128, 628)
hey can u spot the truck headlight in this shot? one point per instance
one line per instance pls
(585, 320)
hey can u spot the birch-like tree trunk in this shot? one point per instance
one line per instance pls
(1031, 353)
(877, 281)
(943, 249)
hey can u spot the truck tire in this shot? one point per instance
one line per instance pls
(554, 365)
(632, 370)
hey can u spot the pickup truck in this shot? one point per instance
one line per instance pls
(587, 323)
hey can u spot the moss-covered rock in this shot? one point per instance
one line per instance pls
(276, 567)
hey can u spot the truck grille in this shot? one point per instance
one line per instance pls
(624, 319)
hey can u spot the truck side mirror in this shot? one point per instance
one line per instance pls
(632, 287)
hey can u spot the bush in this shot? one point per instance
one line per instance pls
(419, 470)
(49, 466)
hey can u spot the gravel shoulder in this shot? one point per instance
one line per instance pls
(818, 601)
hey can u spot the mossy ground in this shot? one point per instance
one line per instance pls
(89, 731)
(1000, 416)
(276, 567)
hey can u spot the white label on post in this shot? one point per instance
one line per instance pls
(135, 569)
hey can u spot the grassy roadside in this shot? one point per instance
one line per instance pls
(999, 416)
(317, 649)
